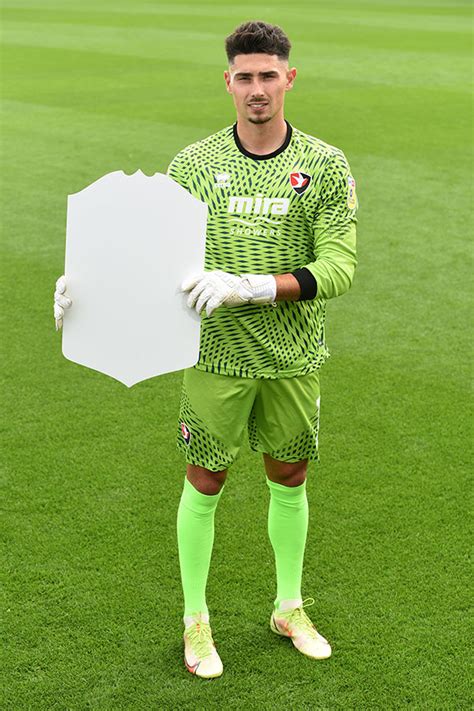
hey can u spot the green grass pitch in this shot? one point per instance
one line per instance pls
(92, 480)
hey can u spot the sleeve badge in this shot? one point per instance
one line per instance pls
(351, 192)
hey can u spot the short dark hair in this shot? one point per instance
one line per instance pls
(257, 38)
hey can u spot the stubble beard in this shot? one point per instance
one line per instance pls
(263, 119)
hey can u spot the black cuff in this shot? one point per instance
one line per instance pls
(307, 282)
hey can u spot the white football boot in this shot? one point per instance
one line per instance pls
(290, 620)
(200, 654)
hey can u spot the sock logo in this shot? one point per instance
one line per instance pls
(300, 182)
(185, 432)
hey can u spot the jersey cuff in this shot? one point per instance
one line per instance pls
(307, 282)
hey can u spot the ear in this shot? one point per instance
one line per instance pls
(227, 81)
(290, 78)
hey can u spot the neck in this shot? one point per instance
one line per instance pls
(262, 138)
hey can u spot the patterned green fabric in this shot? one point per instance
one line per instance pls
(197, 443)
(281, 416)
(262, 221)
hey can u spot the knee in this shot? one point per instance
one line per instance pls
(296, 478)
(204, 480)
(286, 473)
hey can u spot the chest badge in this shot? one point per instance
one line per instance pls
(300, 182)
(221, 180)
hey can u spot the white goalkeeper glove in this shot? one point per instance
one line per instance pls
(217, 288)
(61, 301)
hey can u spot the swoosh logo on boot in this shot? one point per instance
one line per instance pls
(192, 668)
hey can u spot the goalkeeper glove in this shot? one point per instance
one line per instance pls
(217, 288)
(61, 301)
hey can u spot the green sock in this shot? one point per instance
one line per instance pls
(195, 528)
(287, 529)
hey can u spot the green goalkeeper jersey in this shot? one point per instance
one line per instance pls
(287, 210)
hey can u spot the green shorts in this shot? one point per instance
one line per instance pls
(281, 416)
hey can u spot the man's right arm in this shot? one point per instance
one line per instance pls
(61, 302)
(178, 170)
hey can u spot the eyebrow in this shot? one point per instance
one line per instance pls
(249, 74)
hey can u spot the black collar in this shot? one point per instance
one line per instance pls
(266, 156)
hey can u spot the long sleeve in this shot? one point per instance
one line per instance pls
(334, 230)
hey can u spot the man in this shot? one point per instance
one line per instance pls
(280, 241)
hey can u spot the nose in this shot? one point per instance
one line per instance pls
(257, 90)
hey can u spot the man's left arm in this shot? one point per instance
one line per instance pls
(334, 230)
(329, 275)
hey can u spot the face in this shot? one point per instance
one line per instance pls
(258, 83)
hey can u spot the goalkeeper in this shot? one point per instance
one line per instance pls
(280, 241)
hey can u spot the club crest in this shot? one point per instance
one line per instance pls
(300, 182)
(185, 432)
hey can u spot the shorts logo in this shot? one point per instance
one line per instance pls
(300, 182)
(185, 432)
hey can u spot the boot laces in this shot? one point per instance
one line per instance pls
(201, 640)
(300, 619)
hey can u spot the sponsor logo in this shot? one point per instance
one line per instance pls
(300, 182)
(351, 192)
(258, 205)
(185, 432)
(222, 180)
